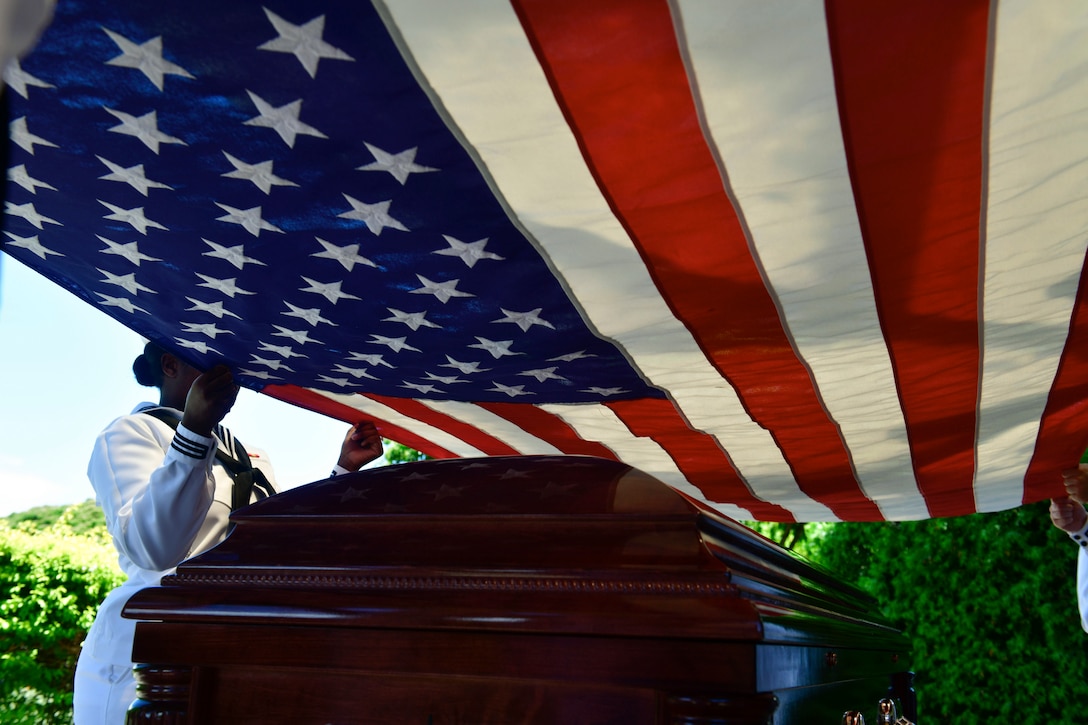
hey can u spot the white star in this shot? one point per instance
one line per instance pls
(396, 344)
(304, 41)
(18, 79)
(414, 320)
(146, 58)
(445, 379)
(133, 176)
(512, 390)
(260, 174)
(202, 347)
(511, 473)
(376, 216)
(281, 350)
(469, 252)
(212, 308)
(127, 282)
(28, 212)
(352, 493)
(274, 364)
(442, 290)
(525, 320)
(235, 255)
(606, 392)
(571, 356)
(283, 120)
(543, 374)
(400, 165)
(129, 251)
(19, 175)
(145, 128)
(302, 337)
(347, 256)
(354, 372)
(423, 388)
(497, 348)
(209, 329)
(466, 368)
(134, 217)
(226, 286)
(259, 374)
(342, 382)
(121, 303)
(312, 315)
(248, 219)
(329, 290)
(32, 244)
(369, 358)
(23, 138)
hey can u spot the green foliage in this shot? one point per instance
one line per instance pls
(81, 518)
(53, 579)
(400, 453)
(989, 603)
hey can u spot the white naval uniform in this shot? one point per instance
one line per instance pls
(166, 499)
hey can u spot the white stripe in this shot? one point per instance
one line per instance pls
(764, 73)
(1036, 229)
(437, 436)
(598, 422)
(503, 106)
(495, 426)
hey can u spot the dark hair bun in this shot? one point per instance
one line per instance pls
(148, 367)
(142, 371)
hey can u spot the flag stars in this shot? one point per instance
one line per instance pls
(444, 379)
(303, 41)
(329, 290)
(215, 309)
(348, 255)
(340, 382)
(604, 392)
(414, 320)
(466, 368)
(371, 359)
(399, 165)
(235, 255)
(134, 176)
(127, 282)
(284, 120)
(202, 347)
(375, 216)
(146, 58)
(248, 219)
(424, 388)
(513, 391)
(354, 372)
(470, 252)
(543, 374)
(497, 348)
(29, 213)
(24, 139)
(226, 286)
(525, 320)
(284, 351)
(276, 365)
(129, 251)
(208, 329)
(571, 356)
(311, 315)
(259, 374)
(302, 337)
(396, 344)
(19, 175)
(19, 80)
(31, 244)
(260, 174)
(145, 128)
(120, 303)
(133, 217)
(442, 291)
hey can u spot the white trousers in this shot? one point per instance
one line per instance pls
(103, 691)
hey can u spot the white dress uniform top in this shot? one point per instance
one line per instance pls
(166, 498)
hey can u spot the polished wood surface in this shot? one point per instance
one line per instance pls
(503, 590)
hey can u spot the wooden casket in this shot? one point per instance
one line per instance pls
(506, 590)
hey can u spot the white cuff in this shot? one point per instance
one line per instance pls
(338, 470)
(1081, 536)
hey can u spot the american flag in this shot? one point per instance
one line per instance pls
(800, 260)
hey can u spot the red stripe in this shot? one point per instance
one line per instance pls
(318, 403)
(697, 455)
(1062, 434)
(487, 444)
(617, 72)
(549, 428)
(911, 82)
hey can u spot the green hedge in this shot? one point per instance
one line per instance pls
(52, 580)
(989, 602)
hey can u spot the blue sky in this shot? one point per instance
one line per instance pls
(66, 371)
